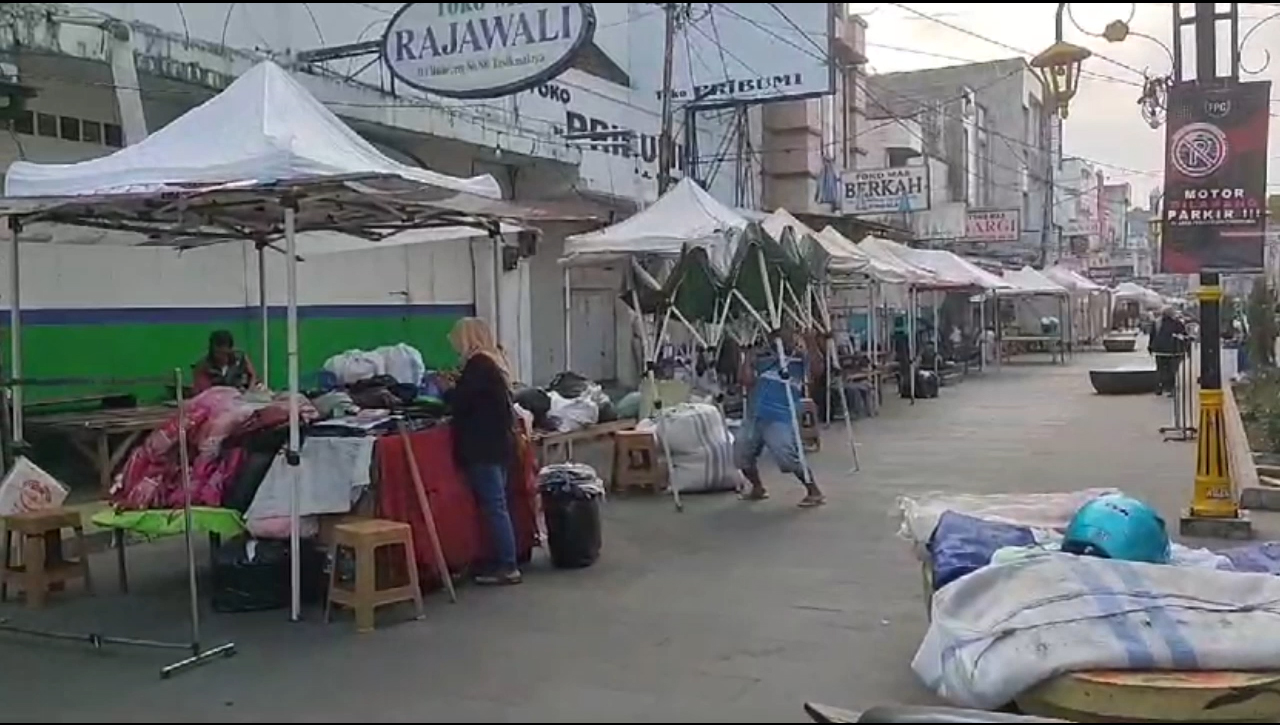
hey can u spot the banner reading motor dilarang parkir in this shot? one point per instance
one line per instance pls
(1215, 177)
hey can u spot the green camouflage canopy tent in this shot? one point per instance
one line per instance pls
(769, 281)
(818, 259)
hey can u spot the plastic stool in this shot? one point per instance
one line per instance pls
(43, 568)
(364, 539)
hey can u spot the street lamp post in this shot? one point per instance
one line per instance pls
(1058, 69)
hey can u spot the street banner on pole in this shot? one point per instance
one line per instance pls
(1215, 178)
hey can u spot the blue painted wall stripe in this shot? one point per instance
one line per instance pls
(202, 315)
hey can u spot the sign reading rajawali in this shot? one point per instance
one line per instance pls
(484, 50)
(880, 191)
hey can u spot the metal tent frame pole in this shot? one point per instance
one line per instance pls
(198, 655)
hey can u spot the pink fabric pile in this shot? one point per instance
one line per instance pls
(152, 477)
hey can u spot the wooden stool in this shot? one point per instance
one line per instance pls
(637, 463)
(809, 433)
(43, 568)
(364, 539)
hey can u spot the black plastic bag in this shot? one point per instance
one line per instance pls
(571, 495)
(252, 575)
(569, 384)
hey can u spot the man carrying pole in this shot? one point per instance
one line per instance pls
(769, 417)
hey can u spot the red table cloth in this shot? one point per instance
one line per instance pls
(463, 535)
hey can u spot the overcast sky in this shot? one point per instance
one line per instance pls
(1104, 122)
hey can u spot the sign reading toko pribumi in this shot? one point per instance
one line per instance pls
(884, 191)
(484, 50)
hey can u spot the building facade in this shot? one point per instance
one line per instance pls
(987, 124)
(1078, 206)
(106, 73)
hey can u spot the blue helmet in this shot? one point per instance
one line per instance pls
(1119, 527)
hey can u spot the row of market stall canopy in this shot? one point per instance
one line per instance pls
(692, 258)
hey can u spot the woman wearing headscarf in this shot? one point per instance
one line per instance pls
(484, 443)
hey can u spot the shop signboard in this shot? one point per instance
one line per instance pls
(484, 50)
(901, 189)
(624, 165)
(993, 225)
(737, 53)
(1215, 178)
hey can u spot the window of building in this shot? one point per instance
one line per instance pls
(46, 125)
(25, 123)
(69, 128)
(113, 135)
(91, 132)
(898, 156)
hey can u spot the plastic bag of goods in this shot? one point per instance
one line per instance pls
(572, 414)
(571, 494)
(353, 366)
(28, 488)
(700, 446)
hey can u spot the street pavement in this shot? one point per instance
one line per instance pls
(727, 612)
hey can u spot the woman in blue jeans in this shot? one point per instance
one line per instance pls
(484, 444)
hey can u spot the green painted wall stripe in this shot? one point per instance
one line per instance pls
(153, 349)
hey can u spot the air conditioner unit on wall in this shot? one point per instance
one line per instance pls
(13, 94)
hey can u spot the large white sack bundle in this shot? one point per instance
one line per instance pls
(700, 445)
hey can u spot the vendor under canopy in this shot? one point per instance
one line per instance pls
(223, 365)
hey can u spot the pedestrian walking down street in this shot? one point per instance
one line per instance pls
(768, 422)
(1166, 344)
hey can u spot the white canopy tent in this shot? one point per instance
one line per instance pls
(1028, 281)
(1146, 299)
(1091, 304)
(684, 216)
(1072, 279)
(945, 270)
(1035, 297)
(262, 161)
(843, 256)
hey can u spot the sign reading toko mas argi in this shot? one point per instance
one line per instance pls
(484, 50)
(1215, 179)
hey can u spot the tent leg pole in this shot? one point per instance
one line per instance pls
(913, 303)
(844, 395)
(497, 290)
(293, 453)
(265, 311)
(15, 331)
(199, 655)
(568, 320)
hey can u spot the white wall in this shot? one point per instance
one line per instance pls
(66, 276)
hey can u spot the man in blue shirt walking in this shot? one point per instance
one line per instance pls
(768, 421)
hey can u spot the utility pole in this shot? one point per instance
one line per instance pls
(1048, 115)
(666, 145)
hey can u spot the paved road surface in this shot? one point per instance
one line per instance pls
(729, 612)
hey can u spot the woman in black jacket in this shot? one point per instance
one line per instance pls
(484, 443)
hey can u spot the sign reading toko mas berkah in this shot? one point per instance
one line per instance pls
(484, 50)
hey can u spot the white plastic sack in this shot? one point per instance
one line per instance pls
(402, 362)
(572, 414)
(1006, 628)
(28, 488)
(701, 448)
(353, 366)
